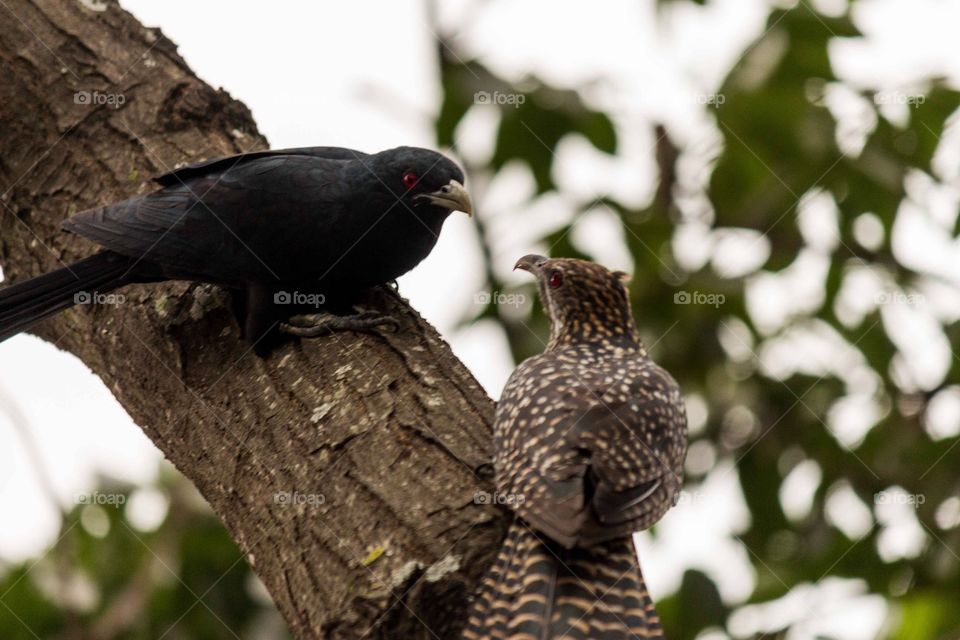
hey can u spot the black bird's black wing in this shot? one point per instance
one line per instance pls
(252, 218)
(225, 163)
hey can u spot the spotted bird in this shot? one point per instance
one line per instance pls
(589, 442)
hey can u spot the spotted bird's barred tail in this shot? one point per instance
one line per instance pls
(537, 590)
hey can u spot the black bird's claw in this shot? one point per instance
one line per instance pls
(311, 325)
(393, 284)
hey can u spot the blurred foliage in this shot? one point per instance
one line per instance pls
(779, 142)
(105, 578)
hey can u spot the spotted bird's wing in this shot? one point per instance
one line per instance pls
(637, 439)
(589, 459)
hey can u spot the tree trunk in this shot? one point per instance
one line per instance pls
(345, 467)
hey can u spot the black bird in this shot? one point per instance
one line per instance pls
(270, 226)
(589, 442)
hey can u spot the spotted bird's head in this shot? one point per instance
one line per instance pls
(585, 302)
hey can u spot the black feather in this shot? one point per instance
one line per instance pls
(25, 303)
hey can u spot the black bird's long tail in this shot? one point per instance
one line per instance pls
(536, 590)
(26, 303)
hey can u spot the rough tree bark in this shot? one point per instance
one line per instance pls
(390, 429)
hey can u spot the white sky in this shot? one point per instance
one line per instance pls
(328, 74)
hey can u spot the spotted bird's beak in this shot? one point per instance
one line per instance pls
(530, 262)
(452, 195)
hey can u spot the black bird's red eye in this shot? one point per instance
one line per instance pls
(556, 279)
(410, 179)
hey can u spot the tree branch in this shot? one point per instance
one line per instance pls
(346, 467)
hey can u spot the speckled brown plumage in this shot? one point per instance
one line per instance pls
(589, 441)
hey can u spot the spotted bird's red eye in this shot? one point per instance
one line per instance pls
(410, 179)
(556, 279)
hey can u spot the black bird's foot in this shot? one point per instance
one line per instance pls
(393, 284)
(311, 325)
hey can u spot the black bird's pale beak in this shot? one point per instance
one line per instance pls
(530, 262)
(452, 195)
